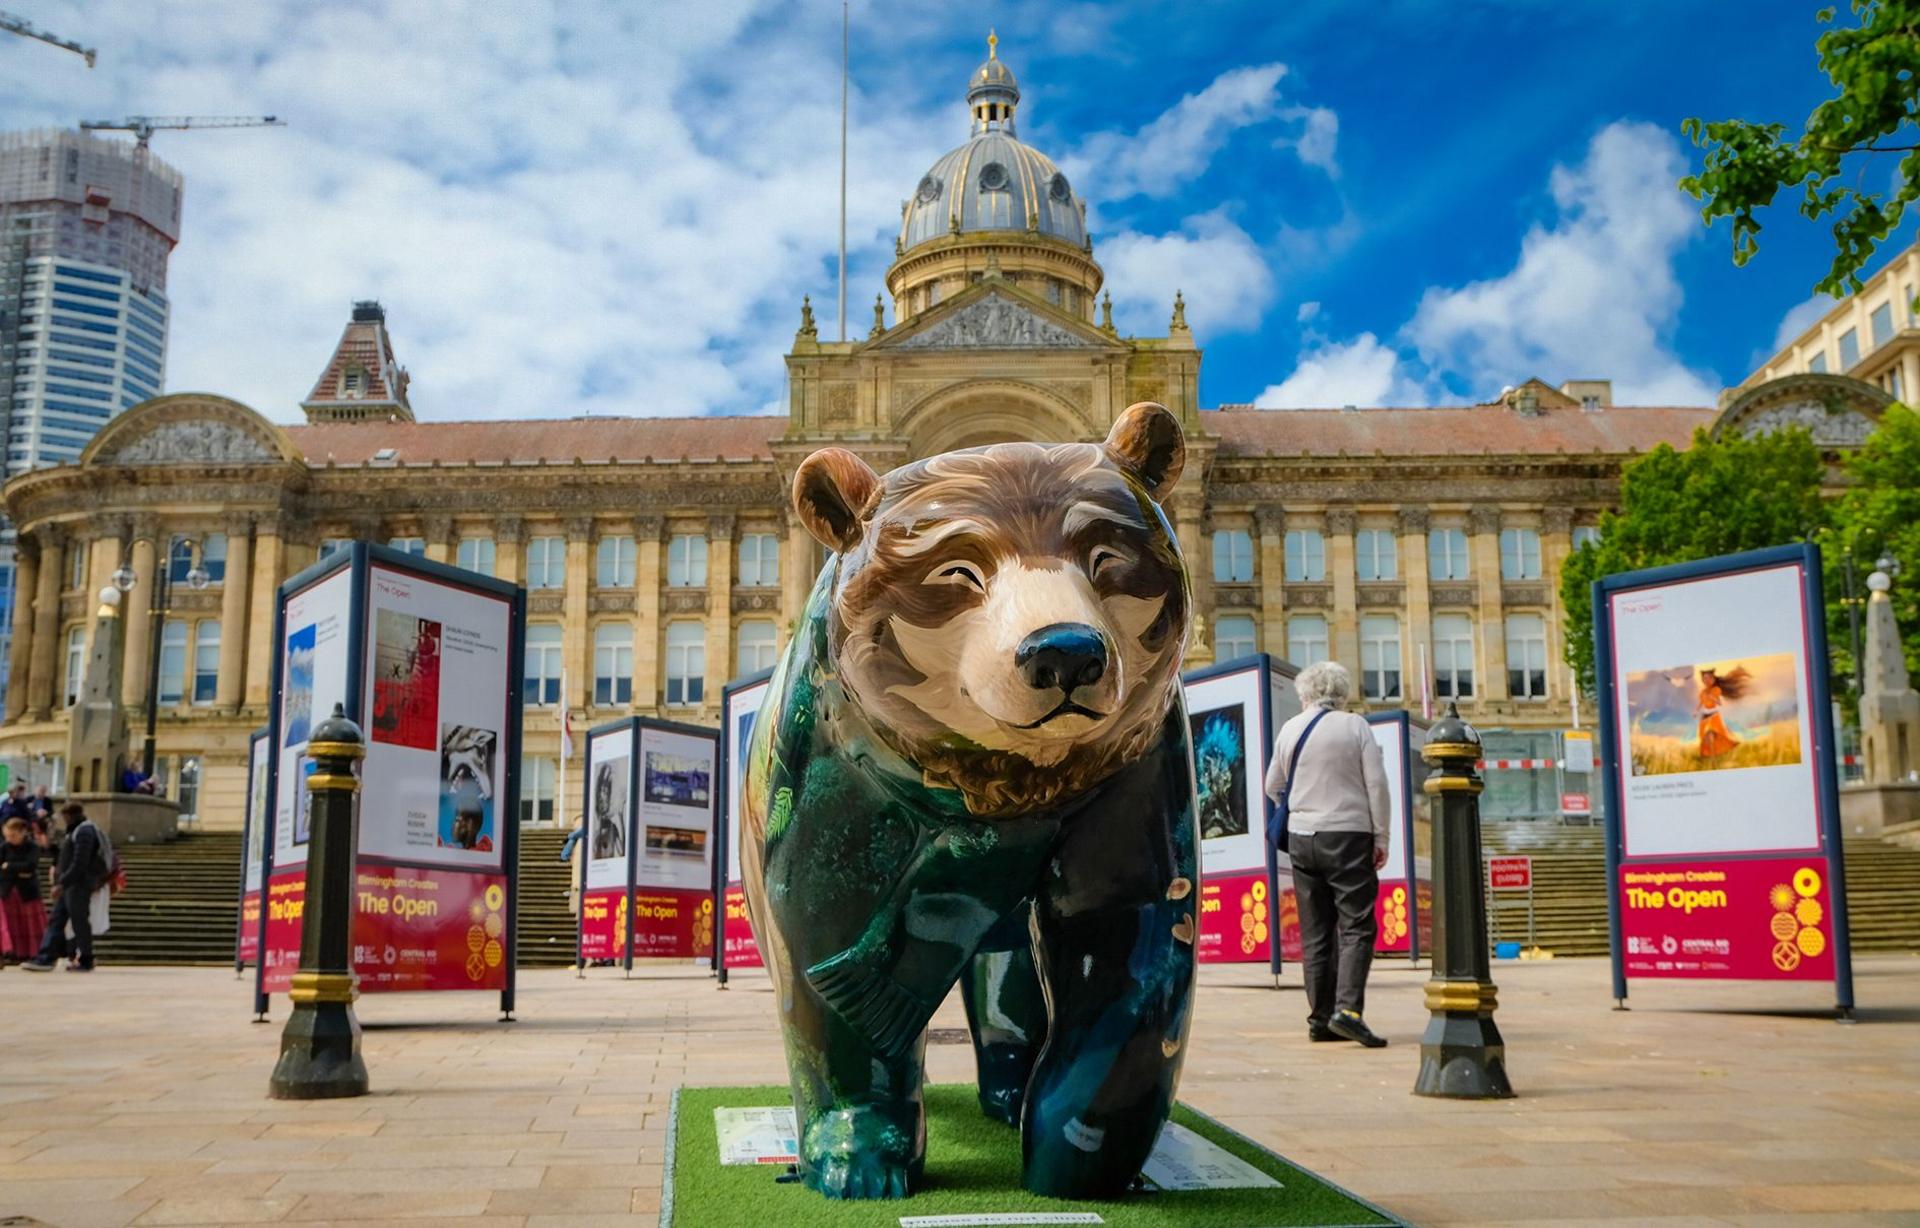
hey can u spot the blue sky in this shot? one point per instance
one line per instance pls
(574, 208)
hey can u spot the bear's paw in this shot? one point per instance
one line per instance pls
(861, 1152)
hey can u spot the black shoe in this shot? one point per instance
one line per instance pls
(1354, 1028)
(1320, 1031)
(73, 967)
(37, 965)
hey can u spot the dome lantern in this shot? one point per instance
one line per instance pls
(992, 93)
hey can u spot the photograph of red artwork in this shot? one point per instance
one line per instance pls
(406, 680)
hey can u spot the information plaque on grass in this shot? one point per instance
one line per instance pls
(1201, 1175)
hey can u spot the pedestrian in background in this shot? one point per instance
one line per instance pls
(83, 868)
(1331, 780)
(23, 918)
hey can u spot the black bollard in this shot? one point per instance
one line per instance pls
(1462, 1055)
(320, 1047)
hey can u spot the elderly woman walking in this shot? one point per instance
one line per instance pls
(1330, 780)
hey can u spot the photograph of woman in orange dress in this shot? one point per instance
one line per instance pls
(1715, 691)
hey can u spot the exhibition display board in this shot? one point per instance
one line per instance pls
(253, 842)
(1246, 896)
(1404, 911)
(650, 822)
(1723, 826)
(426, 659)
(740, 702)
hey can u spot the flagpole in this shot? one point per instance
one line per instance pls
(560, 782)
(844, 58)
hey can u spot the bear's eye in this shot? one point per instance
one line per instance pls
(958, 573)
(1102, 558)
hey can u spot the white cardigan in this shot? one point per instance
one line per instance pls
(1342, 784)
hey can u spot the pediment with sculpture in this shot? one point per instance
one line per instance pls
(1837, 411)
(189, 429)
(995, 320)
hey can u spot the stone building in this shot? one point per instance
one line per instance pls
(660, 556)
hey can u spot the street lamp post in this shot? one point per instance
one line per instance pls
(124, 580)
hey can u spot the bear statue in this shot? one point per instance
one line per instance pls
(973, 765)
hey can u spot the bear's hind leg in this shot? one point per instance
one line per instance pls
(1007, 1014)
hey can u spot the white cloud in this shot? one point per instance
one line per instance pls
(1210, 260)
(1593, 293)
(1362, 372)
(1799, 320)
(1163, 158)
(1318, 136)
(1308, 310)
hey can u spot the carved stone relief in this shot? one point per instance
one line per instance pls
(1236, 596)
(1832, 427)
(198, 441)
(994, 322)
(611, 603)
(1453, 594)
(755, 600)
(1309, 596)
(685, 601)
(1381, 594)
(1523, 594)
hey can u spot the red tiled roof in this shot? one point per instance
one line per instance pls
(552, 440)
(1472, 431)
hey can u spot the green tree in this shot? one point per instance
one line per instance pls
(1717, 497)
(1875, 70)
(1878, 515)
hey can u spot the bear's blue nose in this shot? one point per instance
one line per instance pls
(1064, 655)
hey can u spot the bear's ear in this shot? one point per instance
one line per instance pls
(1147, 440)
(831, 491)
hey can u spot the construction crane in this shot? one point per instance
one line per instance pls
(144, 126)
(13, 24)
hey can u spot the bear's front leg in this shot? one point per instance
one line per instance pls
(1007, 1014)
(862, 1122)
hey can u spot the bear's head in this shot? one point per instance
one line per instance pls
(1010, 618)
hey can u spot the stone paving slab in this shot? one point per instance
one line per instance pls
(138, 1096)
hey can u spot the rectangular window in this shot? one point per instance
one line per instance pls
(687, 561)
(1849, 350)
(477, 554)
(613, 568)
(1526, 656)
(1881, 322)
(686, 660)
(537, 776)
(547, 562)
(1893, 385)
(759, 560)
(1232, 557)
(1306, 555)
(1519, 554)
(1380, 656)
(542, 679)
(1306, 639)
(1452, 656)
(206, 660)
(1232, 637)
(1585, 535)
(1447, 554)
(76, 663)
(613, 664)
(173, 661)
(1818, 363)
(416, 546)
(77, 567)
(753, 647)
(179, 559)
(1375, 556)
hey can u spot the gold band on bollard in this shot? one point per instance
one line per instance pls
(1461, 996)
(1451, 784)
(321, 782)
(336, 750)
(1450, 750)
(309, 987)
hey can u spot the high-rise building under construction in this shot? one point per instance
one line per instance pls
(86, 226)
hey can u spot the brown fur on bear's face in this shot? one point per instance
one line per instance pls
(1011, 618)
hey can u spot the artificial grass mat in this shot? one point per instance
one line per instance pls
(973, 1168)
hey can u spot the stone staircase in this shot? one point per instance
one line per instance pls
(182, 902)
(1570, 878)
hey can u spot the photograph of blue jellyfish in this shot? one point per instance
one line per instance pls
(1220, 770)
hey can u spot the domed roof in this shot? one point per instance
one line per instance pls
(993, 182)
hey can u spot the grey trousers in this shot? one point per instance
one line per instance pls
(1335, 887)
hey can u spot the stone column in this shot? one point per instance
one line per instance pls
(575, 648)
(1188, 509)
(26, 572)
(797, 573)
(44, 661)
(143, 557)
(1344, 625)
(1270, 533)
(438, 530)
(1413, 575)
(1910, 377)
(1556, 543)
(510, 549)
(646, 612)
(719, 609)
(269, 564)
(1484, 523)
(230, 685)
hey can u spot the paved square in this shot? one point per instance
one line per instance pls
(138, 1096)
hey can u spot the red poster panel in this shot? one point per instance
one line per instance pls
(603, 924)
(1236, 919)
(428, 929)
(249, 947)
(1290, 946)
(1396, 916)
(672, 924)
(1766, 919)
(742, 951)
(286, 900)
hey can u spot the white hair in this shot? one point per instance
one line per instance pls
(1324, 684)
